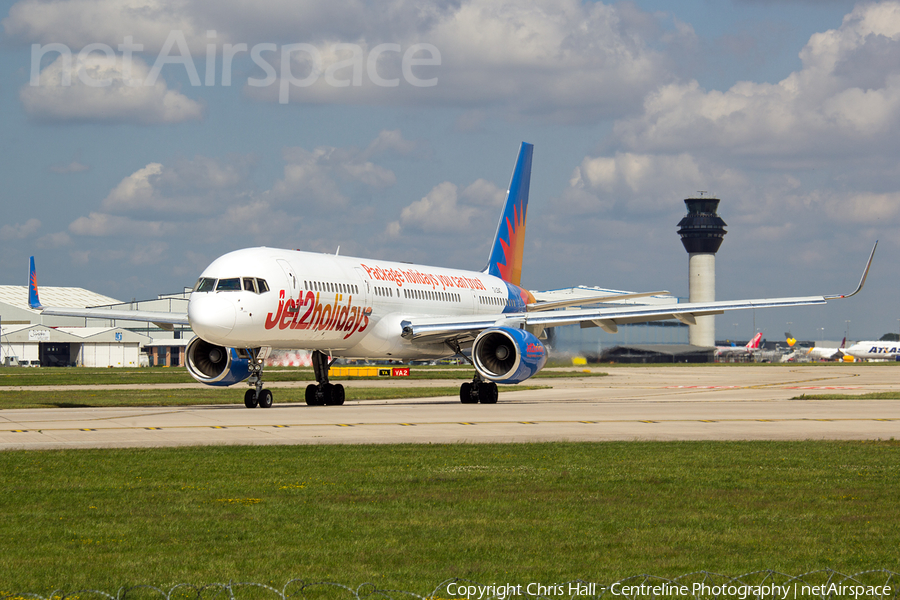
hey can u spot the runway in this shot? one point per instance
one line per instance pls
(632, 403)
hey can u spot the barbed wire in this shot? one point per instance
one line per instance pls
(823, 584)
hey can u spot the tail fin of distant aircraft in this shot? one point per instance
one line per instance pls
(33, 300)
(754, 343)
(509, 242)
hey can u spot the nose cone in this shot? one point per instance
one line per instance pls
(212, 316)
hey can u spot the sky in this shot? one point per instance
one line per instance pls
(144, 138)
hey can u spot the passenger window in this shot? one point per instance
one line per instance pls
(229, 285)
(205, 284)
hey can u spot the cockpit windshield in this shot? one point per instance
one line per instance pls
(205, 284)
(229, 285)
(232, 284)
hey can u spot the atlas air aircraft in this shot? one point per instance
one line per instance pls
(251, 301)
(874, 350)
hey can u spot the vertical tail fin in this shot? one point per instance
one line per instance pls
(33, 300)
(754, 343)
(509, 242)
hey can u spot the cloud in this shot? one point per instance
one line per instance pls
(559, 59)
(636, 183)
(100, 88)
(20, 231)
(187, 186)
(78, 23)
(54, 240)
(208, 205)
(321, 176)
(446, 209)
(134, 191)
(567, 60)
(106, 225)
(845, 100)
(392, 142)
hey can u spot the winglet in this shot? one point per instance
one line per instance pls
(33, 300)
(862, 281)
(505, 261)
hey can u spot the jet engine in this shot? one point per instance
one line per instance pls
(507, 355)
(216, 365)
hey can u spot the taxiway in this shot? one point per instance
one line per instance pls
(632, 403)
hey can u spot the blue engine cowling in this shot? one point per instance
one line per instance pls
(508, 355)
(216, 365)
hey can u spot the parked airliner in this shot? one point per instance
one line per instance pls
(250, 301)
(874, 350)
(746, 349)
(825, 353)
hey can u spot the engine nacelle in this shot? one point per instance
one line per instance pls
(216, 365)
(507, 355)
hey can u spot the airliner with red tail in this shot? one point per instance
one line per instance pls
(747, 348)
(251, 301)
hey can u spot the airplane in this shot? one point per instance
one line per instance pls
(747, 348)
(876, 350)
(824, 353)
(248, 302)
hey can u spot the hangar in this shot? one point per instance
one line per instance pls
(39, 345)
(29, 338)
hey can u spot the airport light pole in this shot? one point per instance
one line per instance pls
(702, 231)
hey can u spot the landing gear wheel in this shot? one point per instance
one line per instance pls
(265, 399)
(250, 398)
(311, 397)
(466, 395)
(323, 393)
(337, 394)
(488, 392)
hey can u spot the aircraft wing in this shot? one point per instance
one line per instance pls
(166, 320)
(588, 300)
(466, 329)
(161, 318)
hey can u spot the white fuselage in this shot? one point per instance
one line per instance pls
(345, 306)
(874, 350)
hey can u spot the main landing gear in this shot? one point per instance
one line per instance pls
(478, 390)
(323, 393)
(257, 395)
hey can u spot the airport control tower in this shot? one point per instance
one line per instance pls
(701, 233)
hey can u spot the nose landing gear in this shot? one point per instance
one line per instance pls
(257, 395)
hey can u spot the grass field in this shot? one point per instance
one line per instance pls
(408, 517)
(869, 396)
